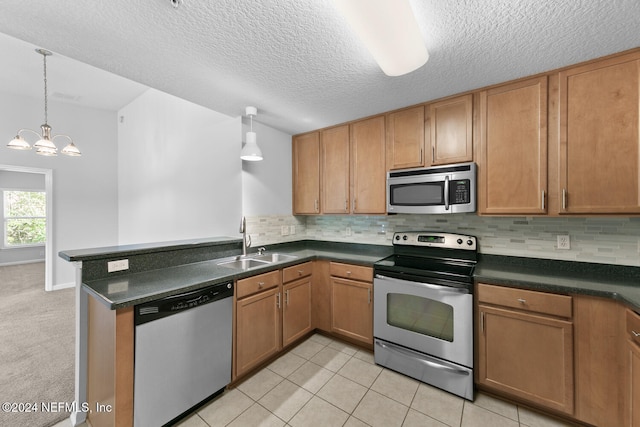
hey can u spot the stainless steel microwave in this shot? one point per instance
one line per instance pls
(434, 190)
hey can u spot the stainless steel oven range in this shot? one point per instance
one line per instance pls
(423, 309)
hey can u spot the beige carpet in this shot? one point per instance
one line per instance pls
(37, 335)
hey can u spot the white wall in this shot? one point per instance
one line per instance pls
(84, 188)
(267, 185)
(179, 171)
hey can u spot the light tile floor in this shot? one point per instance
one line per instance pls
(324, 382)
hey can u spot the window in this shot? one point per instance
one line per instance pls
(24, 218)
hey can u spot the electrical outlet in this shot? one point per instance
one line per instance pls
(119, 265)
(284, 230)
(292, 229)
(347, 231)
(564, 242)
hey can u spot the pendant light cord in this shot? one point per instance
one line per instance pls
(45, 89)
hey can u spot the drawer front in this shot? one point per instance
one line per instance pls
(537, 302)
(261, 282)
(350, 271)
(633, 326)
(296, 272)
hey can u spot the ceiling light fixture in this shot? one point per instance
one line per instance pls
(44, 146)
(251, 151)
(389, 29)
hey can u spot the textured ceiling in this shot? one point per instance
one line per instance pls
(299, 63)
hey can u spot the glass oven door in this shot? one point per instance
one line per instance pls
(433, 319)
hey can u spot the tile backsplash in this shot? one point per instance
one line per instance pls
(607, 240)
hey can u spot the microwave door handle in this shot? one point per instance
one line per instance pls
(446, 193)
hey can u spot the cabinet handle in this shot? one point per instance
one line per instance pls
(542, 199)
(260, 285)
(564, 199)
(354, 205)
(346, 206)
(635, 334)
(315, 204)
(278, 300)
(433, 154)
(421, 154)
(482, 322)
(522, 301)
(369, 295)
(286, 297)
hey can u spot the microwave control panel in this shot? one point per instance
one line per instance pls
(460, 191)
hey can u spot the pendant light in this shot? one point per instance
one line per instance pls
(251, 152)
(44, 146)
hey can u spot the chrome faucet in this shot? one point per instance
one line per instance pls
(246, 239)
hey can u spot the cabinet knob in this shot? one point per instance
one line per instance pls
(261, 285)
(635, 334)
(522, 301)
(299, 272)
(348, 273)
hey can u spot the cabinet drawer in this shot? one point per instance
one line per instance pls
(258, 283)
(350, 271)
(296, 272)
(537, 302)
(633, 326)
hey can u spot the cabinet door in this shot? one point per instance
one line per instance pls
(368, 167)
(306, 173)
(296, 310)
(599, 357)
(258, 329)
(335, 169)
(527, 356)
(405, 138)
(599, 137)
(352, 309)
(634, 377)
(513, 148)
(451, 124)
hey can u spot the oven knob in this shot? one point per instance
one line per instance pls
(459, 241)
(405, 237)
(397, 237)
(469, 242)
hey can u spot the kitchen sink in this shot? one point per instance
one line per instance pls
(243, 263)
(275, 257)
(252, 261)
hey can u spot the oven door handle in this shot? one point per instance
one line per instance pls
(423, 358)
(449, 289)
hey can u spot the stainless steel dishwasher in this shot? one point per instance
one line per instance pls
(183, 347)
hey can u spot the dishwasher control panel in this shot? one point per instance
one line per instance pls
(153, 310)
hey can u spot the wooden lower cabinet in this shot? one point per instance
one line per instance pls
(599, 361)
(258, 329)
(296, 310)
(527, 356)
(352, 302)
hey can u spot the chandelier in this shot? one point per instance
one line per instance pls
(44, 146)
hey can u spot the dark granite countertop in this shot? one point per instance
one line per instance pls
(621, 283)
(131, 289)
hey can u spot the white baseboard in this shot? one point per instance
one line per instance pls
(63, 286)
(31, 261)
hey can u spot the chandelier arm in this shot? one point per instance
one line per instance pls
(29, 130)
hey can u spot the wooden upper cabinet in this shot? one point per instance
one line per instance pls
(405, 138)
(368, 166)
(306, 173)
(334, 144)
(512, 158)
(450, 122)
(599, 138)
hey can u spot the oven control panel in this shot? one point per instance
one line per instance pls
(435, 239)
